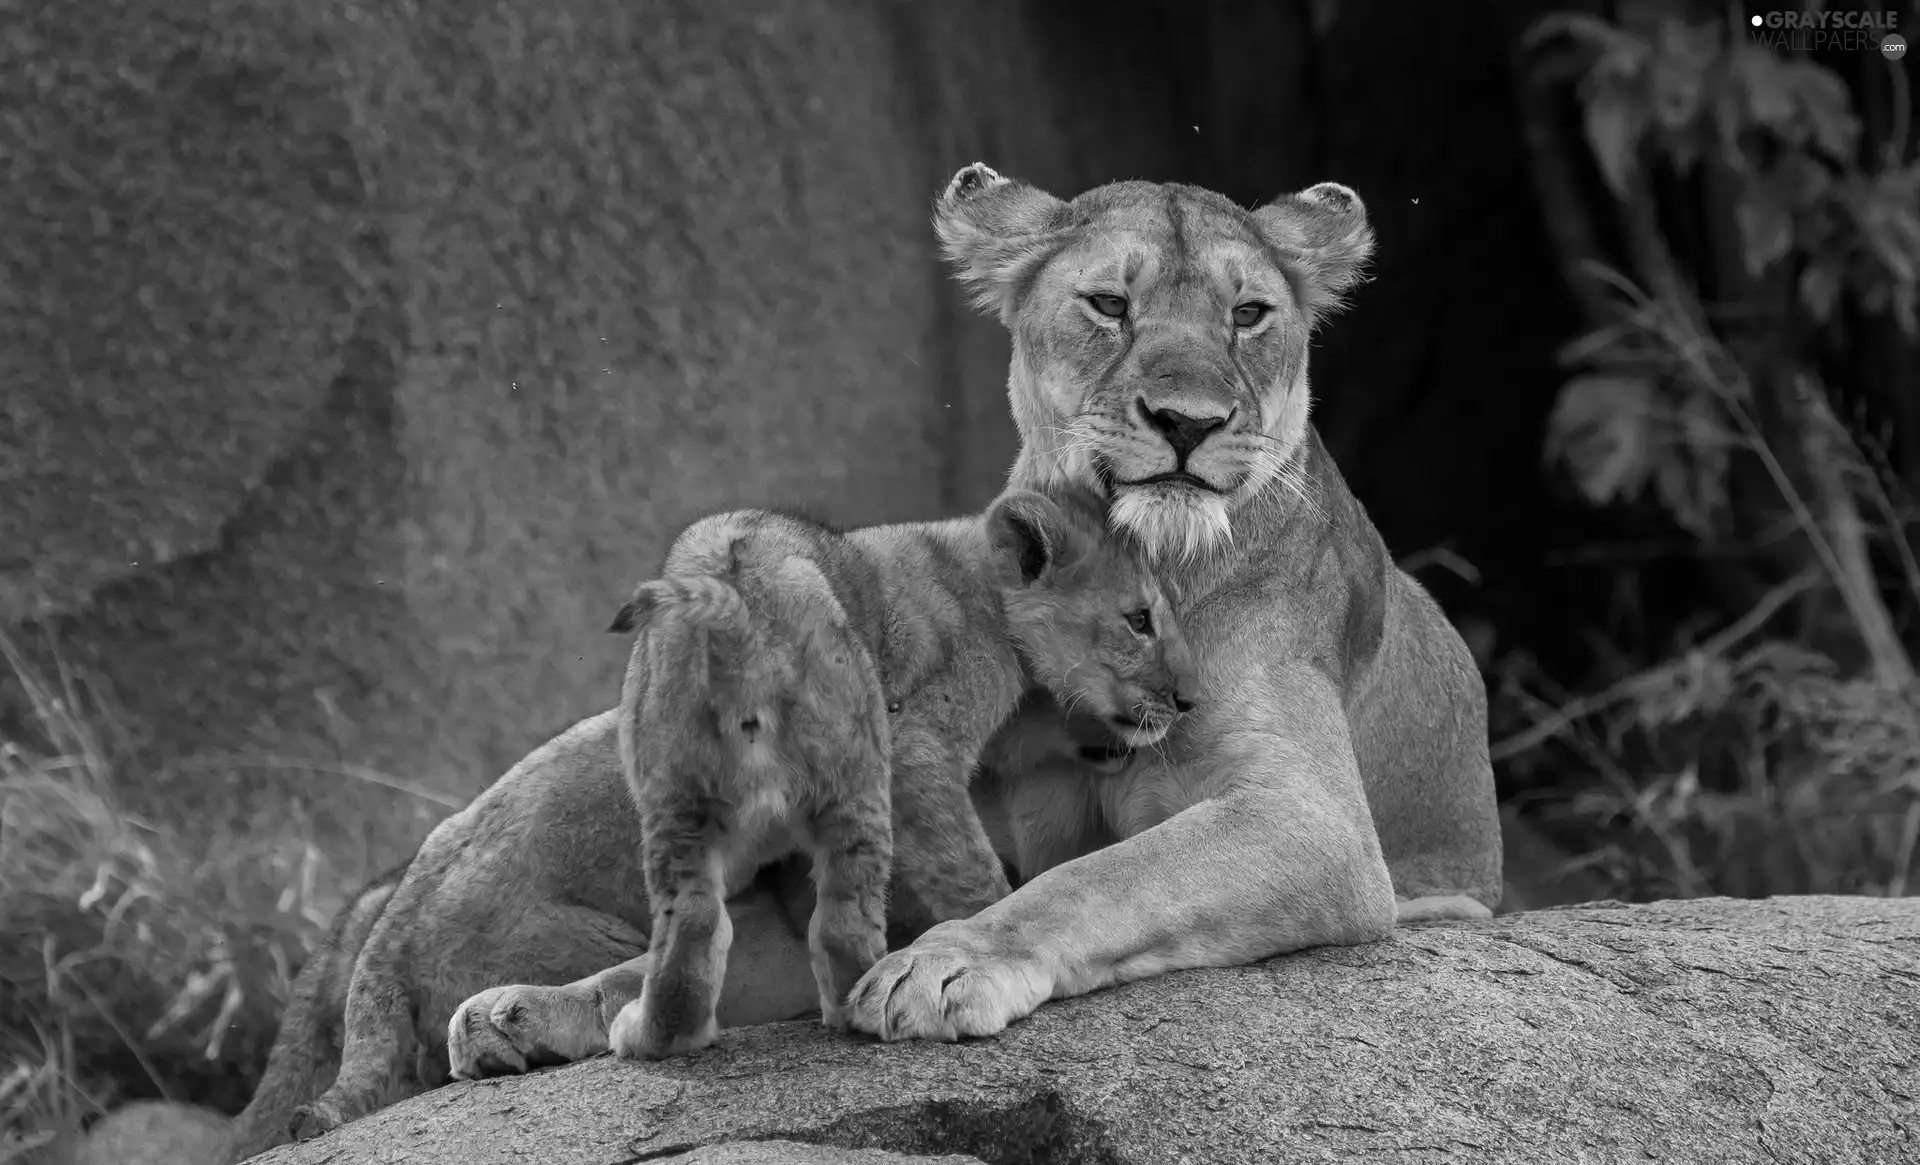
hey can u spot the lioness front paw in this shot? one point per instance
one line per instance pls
(504, 1031)
(949, 983)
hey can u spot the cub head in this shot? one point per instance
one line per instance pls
(1159, 336)
(1089, 617)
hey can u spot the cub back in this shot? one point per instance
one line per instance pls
(749, 675)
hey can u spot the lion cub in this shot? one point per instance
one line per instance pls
(754, 720)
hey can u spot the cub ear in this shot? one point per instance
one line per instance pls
(634, 611)
(1323, 231)
(996, 231)
(1025, 531)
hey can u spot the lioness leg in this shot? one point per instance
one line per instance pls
(1430, 784)
(1275, 853)
(852, 857)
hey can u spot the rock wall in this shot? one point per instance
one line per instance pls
(359, 357)
(356, 358)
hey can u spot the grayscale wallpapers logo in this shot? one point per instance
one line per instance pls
(1809, 31)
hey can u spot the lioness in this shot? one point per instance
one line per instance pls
(539, 880)
(1335, 774)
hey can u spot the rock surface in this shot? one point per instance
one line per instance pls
(1709, 1030)
(799, 1153)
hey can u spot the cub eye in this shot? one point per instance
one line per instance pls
(1111, 306)
(1249, 314)
(1141, 621)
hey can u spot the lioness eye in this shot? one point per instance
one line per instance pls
(1111, 306)
(1141, 621)
(1249, 314)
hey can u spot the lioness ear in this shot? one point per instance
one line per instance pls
(995, 231)
(1024, 529)
(1323, 232)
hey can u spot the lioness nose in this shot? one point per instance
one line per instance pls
(1181, 703)
(1182, 432)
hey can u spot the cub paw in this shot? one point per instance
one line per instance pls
(948, 984)
(313, 1120)
(505, 1031)
(636, 1036)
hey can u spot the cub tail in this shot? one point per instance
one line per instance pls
(710, 603)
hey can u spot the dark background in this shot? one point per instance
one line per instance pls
(356, 358)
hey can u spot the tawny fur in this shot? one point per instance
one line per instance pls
(538, 884)
(752, 717)
(1335, 775)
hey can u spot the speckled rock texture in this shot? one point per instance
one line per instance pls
(798, 1153)
(1702, 1031)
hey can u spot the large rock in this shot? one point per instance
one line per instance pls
(357, 358)
(1711, 1030)
(800, 1153)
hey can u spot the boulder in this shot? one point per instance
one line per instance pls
(799, 1153)
(1704, 1030)
(359, 358)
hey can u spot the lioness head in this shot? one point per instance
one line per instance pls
(1159, 336)
(1089, 616)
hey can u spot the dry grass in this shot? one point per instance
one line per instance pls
(145, 957)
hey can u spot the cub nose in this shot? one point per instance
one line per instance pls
(1182, 433)
(1181, 703)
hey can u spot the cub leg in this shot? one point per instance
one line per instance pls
(511, 1026)
(944, 863)
(554, 943)
(686, 881)
(852, 858)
